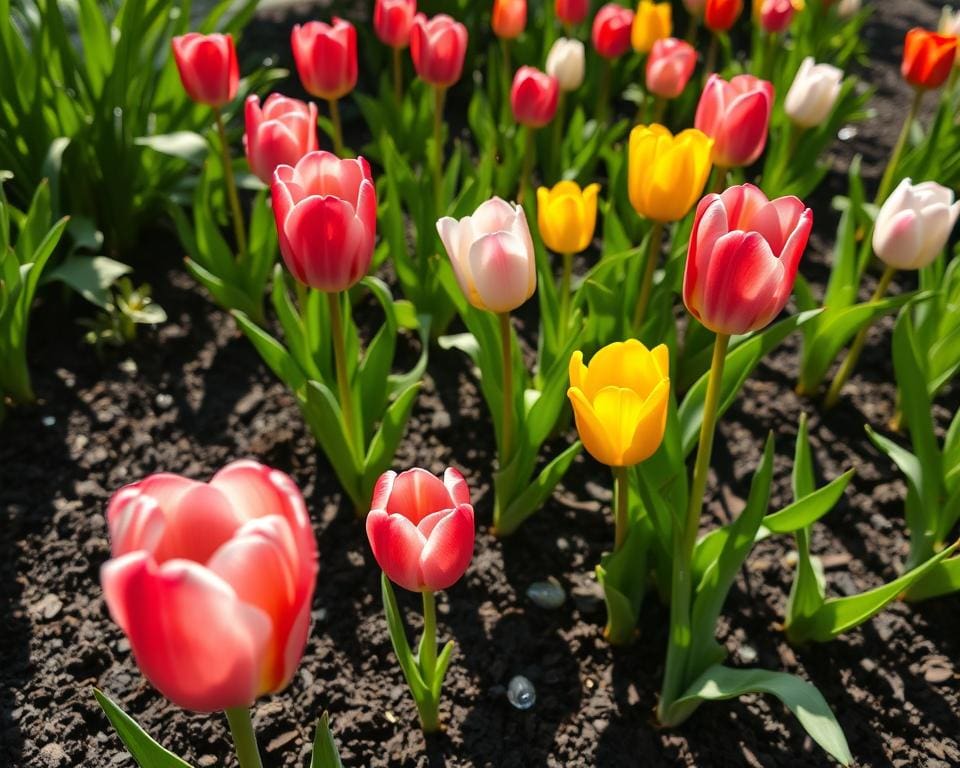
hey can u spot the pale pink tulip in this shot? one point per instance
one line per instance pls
(669, 66)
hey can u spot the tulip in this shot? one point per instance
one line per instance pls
(565, 62)
(669, 67)
(492, 255)
(928, 58)
(848, 8)
(695, 7)
(438, 47)
(743, 258)
(813, 93)
(533, 97)
(612, 30)
(736, 115)
(776, 15)
(719, 15)
(949, 22)
(509, 18)
(212, 582)
(393, 20)
(326, 214)
(279, 133)
(208, 67)
(571, 12)
(913, 225)
(651, 22)
(326, 59)
(567, 216)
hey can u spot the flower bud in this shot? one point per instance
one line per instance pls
(567, 216)
(392, 20)
(651, 22)
(928, 58)
(736, 115)
(914, 223)
(813, 93)
(326, 57)
(566, 62)
(533, 97)
(669, 67)
(509, 18)
(279, 133)
(438, 46)
(208, 67)
(612, 30)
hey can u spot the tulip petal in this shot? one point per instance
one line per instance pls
(622, 364)
(449, 549)
(577, 370)
(592, 431)
(501, 267)
(326, 239)
(619, 410)
(651, 424)
(417, 493)
(710, 224)
(197, 525)
(456, 486)
(777, 220)
(396, 545)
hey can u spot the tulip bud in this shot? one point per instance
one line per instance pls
(492, 255)
(665, 173)
(913, 225)
(743, 257)
(326, 57)
(620, 401)
(695, 7)
(736, 115)
(438, 47)
(326, 214)
(928, 58)
(533, 97)
(509, 18)
(566, 62)
(669, 67)
(279, 133)
(651, 22)
(208, 67)
(571, 12)
(567, 216)
(813, 93)
(847, 8)
(612, 28)
(720, 15)
(421, 529)
(212, 583)
(776, 15)
(392, 20)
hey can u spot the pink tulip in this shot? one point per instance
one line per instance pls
(393, 20)
(612, 27)
(534, 97)
(212, 582)
(208, 67)
(743, 257)
(326, 57)
(776, 15)
(438, 47)
(736, 115)
(279, 133)
(421, 529)
(326, 212)
(669, 67)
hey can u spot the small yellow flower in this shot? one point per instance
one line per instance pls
(567, 216)
(666, 173)
(651, 22)
(620, 401)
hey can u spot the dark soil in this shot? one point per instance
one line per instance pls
(194, 395)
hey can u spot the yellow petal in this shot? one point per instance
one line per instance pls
(577, 370)
(565, 223)
(619, 411)
(622, 364)
(651, 421)
(661, 355)
(592, 432)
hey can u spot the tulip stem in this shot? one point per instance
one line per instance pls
(236, 212)
(850, 362)
(603, 95)
(529, 150)
(685, 540)
(719, 180)
(398, 75)
(506, 424)
(646, 287)
(428, 706)
(439, 96)
(891, 171)
(244, 738)
(565, 277)
(711, 60)
(621, 497)
(659, 109)
(350, 425)
(558, 125)
(337, 127)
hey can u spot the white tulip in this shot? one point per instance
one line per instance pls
(913, 224)
(847, 8)
(813, 93)
(566, 63)
(949, 21)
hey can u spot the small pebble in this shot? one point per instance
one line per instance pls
(49, 421)
(846, 133)
(747, 654)
(129, 366)
(521, 693)
(163, 401)
(547, 594)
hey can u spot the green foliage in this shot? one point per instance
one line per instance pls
(147, 752)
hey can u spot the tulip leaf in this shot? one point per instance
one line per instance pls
(274, 354)
(294, 332)
(803, 699)
(440, 671)
(224, 294)
(385, 440)
(185, 145)
(325, 752)
(942, 579)
(810, 508)
(147, 752)
(325, 419)
(535, 494)
(623, 576)
(374, 372)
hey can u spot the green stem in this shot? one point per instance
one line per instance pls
(646, 287)
(236, 212)
(659, 109)
(244, 738)
(439, 96)
(565, 277)
(718, 180)
(621, 498)
(428, 708)
(351, 431)
(529, 150)
(506, 422)
(692, 28)
(850, 362)
(891, 171)
(603, 94)
(398, 75)
(711, 61)
(558, 125)
(685, 540)
(337, 127)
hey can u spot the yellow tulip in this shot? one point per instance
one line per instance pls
(666, 173)
(620, 401)
(567, 216)
(651, 22)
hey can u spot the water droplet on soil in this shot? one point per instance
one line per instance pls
(547, 594)
(521, 693)
(49, 421)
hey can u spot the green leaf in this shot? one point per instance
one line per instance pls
(942, 579)
(398, 637)
(623, 576)
(810, 508)
(385, 440)
(274, 354)
(186, 145)
(325, 418)
(806, 702)
(536, 493)
(325, 753)
(90, 276)
(443, 662)
(145, 750)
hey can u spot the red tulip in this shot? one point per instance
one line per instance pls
(509, 18)
(611, 30)
(208, 67)
(736, 115)
(776, 15)
(279, 133)
(533, 97)
(392, 21)
(421, 530)
(438, 46)
(571, 12)
(928, 58)
(212, 582)
(743, 257)
(669, 67)
(719, 15)
(326, 213)
(326, 57)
